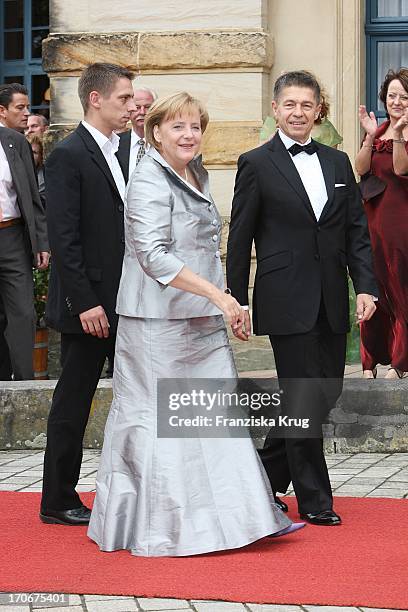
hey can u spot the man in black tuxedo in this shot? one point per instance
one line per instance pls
(85, 190)
(299, 201)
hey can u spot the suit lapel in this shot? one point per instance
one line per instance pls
(123, 153)
(10, 152)
(97, 156)
(329, 178)
(283, 162)
(8, 145)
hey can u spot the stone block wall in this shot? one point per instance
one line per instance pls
(227, 52)
(220, 51)
(371, 416)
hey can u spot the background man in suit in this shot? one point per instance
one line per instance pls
(36, 124)
(84, 190)
(132, 144)
(14, 106)
(14, 111)
(23, 243)
(299, 201)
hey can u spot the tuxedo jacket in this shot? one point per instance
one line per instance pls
(123, 153)
(19, 157)
(300, 260)
(85, 226)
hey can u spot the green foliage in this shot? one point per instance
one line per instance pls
(353, 337)
(325, 133)
(40, 278)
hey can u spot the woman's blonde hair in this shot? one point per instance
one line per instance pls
(170, 107)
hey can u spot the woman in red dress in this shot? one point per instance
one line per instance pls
(384, 154)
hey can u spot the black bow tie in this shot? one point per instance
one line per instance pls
(297, 148)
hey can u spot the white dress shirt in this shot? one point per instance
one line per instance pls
(109, 146)
(9, 208)
(311, 174)
(134, 148)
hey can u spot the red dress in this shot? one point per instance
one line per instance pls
(384, 338)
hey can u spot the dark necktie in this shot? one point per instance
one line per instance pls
(297, 148)
(141, 151)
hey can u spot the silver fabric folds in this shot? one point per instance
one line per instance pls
(168, 224)
(175, 497)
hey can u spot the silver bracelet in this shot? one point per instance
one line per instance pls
(401, 140)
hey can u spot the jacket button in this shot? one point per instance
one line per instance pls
(122, 239)
(214, 222)
(120, 208)
(217, 254)
(317, 256)
(215, 237)
(318, 228)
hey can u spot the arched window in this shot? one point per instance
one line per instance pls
(387, 45)
(23, 26)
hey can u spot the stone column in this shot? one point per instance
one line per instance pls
(350, 72)
(326, 37)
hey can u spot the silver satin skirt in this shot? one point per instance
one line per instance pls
(175, 496)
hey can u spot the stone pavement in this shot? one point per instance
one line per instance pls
(360, 475)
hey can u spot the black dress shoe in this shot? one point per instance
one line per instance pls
(76, 516)
(325, 517)
(281, 504)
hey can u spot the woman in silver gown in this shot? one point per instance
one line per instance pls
(174, 496)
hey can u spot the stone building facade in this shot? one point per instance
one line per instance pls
(226, 52)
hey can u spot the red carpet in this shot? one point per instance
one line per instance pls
(362, 563)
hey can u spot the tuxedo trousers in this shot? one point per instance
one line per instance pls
(82, 360)
(317, 354)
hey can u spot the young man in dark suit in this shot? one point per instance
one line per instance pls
(85, 190)
(299, 201)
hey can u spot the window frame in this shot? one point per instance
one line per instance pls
(379, 29)
(28, 66)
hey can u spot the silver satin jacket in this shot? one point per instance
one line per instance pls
(168, 224)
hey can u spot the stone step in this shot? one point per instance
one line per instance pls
(371, 416)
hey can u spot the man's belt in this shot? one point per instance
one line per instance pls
(11, 222)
